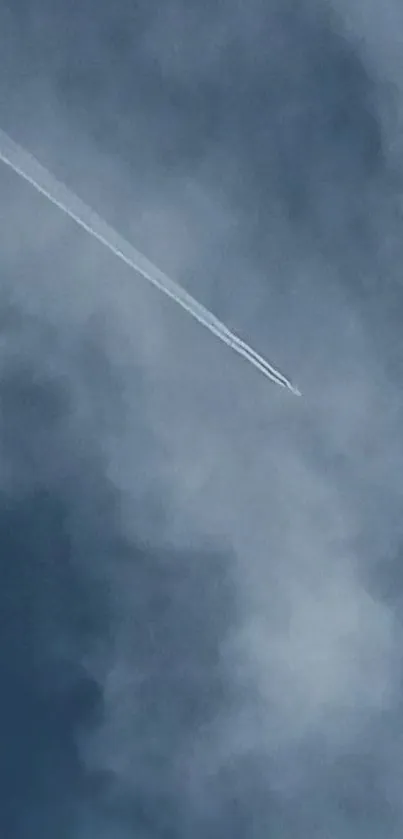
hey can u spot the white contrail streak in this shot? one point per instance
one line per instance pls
(25, 165)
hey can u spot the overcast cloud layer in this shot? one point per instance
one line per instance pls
(200, 581)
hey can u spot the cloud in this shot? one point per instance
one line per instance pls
(200, 591)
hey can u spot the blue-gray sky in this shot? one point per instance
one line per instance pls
(200, 575)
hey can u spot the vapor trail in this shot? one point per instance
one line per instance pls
(25, 165)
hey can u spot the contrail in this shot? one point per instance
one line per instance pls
(25, 165)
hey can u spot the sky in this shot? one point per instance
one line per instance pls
(200, 575)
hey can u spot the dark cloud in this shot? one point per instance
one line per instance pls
(64, 567)
(51, 611)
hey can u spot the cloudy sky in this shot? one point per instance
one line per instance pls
(200, 575)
